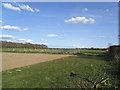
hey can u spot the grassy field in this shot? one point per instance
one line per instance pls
(54, 51)
(71, 72)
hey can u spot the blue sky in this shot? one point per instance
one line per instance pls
(61, 24)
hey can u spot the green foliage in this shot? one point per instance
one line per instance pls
(21, 45)
(55, 51)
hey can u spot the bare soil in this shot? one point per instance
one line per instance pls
(15, 60)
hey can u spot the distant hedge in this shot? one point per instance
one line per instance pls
(22, 45)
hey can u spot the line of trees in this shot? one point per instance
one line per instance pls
(81, 48)
(5, 44)
(21, 45)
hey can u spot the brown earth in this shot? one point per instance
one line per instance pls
(14, 60)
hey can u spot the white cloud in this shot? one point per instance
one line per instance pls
(7, 37)
(85, 9)
(25, 40)
(12, 38)
(10, 6)
(9, 27)
(43, 39)
(26, 7)
(20, 7)
(37, 10)
(9, 40)
(29, 41)
(22, 39)
(80, 20)
(52, 35)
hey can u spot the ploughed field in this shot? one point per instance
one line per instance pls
(14, 60)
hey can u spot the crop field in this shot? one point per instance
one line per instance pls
(54, 51)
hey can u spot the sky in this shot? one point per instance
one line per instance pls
(62, 0)
(61, 24)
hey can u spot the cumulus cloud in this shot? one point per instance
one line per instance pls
(12, 38)
(22, 39)
(7, 37)
(10, 6)
(26, 7)
(9, 27)
(29, 41)
(52, 35)
(85, 9)
(80, 20)
(25, 40)
(20, 7)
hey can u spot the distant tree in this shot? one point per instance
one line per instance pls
(21, 45)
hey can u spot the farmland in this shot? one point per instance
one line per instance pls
(54, 51)
(14, 60)
(88, 72)
(80, 68)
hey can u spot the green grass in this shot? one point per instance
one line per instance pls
(53, 51)
(56, 73)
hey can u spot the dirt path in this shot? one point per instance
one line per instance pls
(14, 60)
